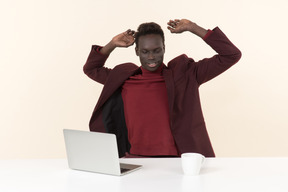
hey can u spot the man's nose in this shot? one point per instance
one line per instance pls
(151, 56)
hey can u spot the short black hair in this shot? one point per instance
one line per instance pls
(148, 28)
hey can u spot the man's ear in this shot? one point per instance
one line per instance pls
(136, 51)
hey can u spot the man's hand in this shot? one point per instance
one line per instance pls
(125, 39)
(179, 26)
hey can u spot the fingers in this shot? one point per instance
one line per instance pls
(129, 38)
(171, 29)
(130, 32)
(172, 24)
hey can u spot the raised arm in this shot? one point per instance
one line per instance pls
(125, 39)
(227, 53)
(94, 66)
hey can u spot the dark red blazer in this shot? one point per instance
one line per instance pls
(182, 75)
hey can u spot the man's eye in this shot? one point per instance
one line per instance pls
(144, 52)
(157, 51)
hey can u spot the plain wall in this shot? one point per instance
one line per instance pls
(44, 45)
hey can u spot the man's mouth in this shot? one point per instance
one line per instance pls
(152, 65)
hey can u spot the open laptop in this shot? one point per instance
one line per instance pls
(94, 152)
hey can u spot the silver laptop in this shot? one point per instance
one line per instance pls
(94, 152)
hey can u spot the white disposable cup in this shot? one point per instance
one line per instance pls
(191, 163)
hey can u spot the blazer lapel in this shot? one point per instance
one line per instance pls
(115, 80)
(168, 77)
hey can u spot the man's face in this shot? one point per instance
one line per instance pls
(150, 51)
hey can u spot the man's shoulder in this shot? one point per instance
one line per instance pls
(126, 66)
(181, 60)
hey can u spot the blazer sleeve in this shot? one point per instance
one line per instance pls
(228, 55)
(94, 66)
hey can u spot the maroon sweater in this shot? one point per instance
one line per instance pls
(147, 114)
(182, 77)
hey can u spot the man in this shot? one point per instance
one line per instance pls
(155, 110)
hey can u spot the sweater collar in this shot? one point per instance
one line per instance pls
(158, 72)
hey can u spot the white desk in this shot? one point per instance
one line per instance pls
(163, 174)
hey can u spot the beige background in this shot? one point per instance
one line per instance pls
(44, 45)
